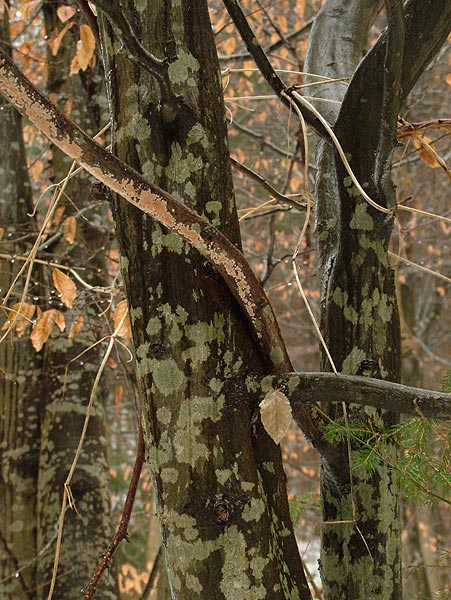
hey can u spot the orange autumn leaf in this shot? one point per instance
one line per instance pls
(426, 152)
(76, 327)
(69, 229)
(21, 315)
(57, 37)
(65, 12)
(121, 313)
(85, 50)
(65, 286)
(44, 327)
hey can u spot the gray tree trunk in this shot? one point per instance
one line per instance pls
(219, 480)
(66, 394)
(360, 554)
(19, 373)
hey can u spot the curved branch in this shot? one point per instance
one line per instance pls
(113, 12)
(160, 205)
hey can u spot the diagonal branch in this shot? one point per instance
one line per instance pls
(258, 54)
(161, 206)
(150, 199)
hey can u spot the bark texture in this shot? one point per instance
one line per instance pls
(19, 373)
(67, 386)
(360, 555)
(219, 480)
(360, 545)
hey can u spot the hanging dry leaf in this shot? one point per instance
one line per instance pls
(426, 151)
(69, 229)
(2, 231)
(65, 12)
(119, 312)
(65, 286)
(93, 8)
(275, 413)
(85, 50)
(44, 327)
(20, 315)
(57, 37)
(117, 399)
(76, 327)
(58, 216)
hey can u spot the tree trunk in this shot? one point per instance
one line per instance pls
(360, 546)
(219, 480)
(19, 372)
(68, 385)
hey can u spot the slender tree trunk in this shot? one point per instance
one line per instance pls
(360, 549)
(219, 480)
(68, 385)
(19, 373)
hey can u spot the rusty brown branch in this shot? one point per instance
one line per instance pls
(121, 533)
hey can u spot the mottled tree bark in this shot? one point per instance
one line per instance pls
(67, 387)
(219, 479)
(360, 555)
(19, 373)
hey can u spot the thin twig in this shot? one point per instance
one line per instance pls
(121, 533)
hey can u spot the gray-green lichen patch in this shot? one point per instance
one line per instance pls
(182, 165)
(197, 134)
(340, 298)
(277, 355)
(362, 219)
(351, 189)
(166, 240)
(167, 376)
(254, 510)
(169, 475)
(352, 362)
(183, 68)
(153, 326)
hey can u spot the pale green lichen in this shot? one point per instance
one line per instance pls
(182, 69)
(193, 583)
(181, 166)
(164, 415)
(223, 475)
(361, 218)
(340, 298)
(254, 510)
(169, 475)
(277, 355)
(168, 377)
(153, 326)
(197, 134)
(352, 362)
(135, 314)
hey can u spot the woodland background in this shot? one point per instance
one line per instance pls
(74, 297)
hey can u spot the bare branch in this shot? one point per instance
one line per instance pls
(308, 388)
(121, 533)
(271, 189)
(258, 54)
